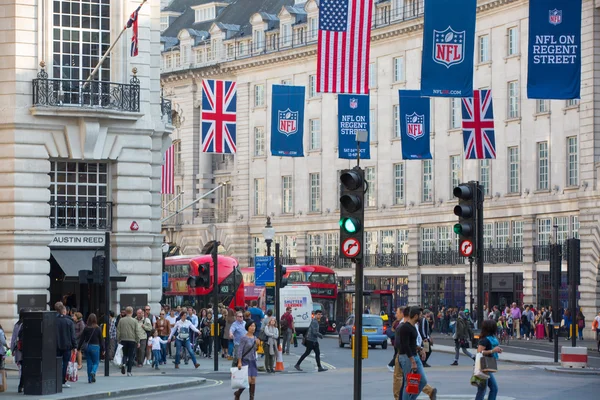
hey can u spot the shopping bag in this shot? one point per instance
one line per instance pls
(239, 378)
(477, 372)
(72, 368)
(295, 340)
(118, 358)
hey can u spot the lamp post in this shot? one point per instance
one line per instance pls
(268, 233)
(165, 250)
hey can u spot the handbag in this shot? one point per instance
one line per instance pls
(262, 336)
(295, 339)
(426, 347)
(85, 345)
(489, 364)
(72, 369)
(118, 358)
(477, 372)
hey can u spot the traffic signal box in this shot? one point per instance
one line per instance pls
(466, 213)
(98, 269)
(280, 272)
(203, 278)
(352, 212)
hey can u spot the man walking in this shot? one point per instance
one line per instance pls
(462, 337)
(516, 316)
(128, 334)
(287, 329)
(236, 332)
(65, 339)
(146, 328)
(312, 342)
(408, 356)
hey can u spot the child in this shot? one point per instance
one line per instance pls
(155, 342)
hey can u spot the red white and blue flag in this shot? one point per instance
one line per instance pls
(133, 21)
(167, 173)
(478, 126)
(219, 116)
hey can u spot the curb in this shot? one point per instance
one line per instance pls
(505, 360)
(578, 371)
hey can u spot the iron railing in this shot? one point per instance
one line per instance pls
(378, 260)
(440, 257)
(503, 255)
(542, 252)
(79, 93)
(491, 255)
(92, 215)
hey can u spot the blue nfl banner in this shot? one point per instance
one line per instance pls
(448, 48)
(353, 115)
(287, 121)
(414, 125)
(554, 59)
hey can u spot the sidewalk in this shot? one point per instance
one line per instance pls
(505, 357)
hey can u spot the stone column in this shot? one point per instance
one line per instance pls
(529, 267)
(589, 289)
(414, 273)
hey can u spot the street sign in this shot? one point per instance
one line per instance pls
(165, 279)
(466, 248)
(351, 247)
(264, 270)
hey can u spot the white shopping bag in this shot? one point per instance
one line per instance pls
(118, 358)
(239, 378)
(72, 375)
(477, 370)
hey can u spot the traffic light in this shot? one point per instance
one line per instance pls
(352, 212)
(98, 269)
(203, 277)
(280, 272)
(465, 211)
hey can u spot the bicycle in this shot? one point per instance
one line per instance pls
(504, 336)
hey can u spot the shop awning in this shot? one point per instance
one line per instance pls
(73, 261)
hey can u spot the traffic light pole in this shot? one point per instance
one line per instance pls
(107, 259)
(358, 300)
(471, 300)
(277, 288)
(478, 199)
(215, 260)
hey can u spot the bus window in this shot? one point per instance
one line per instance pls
(318, 277)
(296, 276)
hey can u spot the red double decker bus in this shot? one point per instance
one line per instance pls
(180, 268)
(320, 280)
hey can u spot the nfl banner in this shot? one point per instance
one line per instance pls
(353, 115)
(287, 121)
(448, 48)
(554, 60)
(414, 125)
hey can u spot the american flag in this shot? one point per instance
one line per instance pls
(218, 116)
(133, 21)
(343, 52)
(478, 126)
(167, 173)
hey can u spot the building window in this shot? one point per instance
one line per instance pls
(484, 48)
(300, 35)
(332, 241)
(398, 69)
(312, 86)
(455, 113)
(502, 233)
(454, 173)
(79, 195)
(259, 141)
(315, 192)
(371, 194)
(543, 231)
(542, 166)
(205, 14)
(401, 241)
(396, 116)
(199, 56)
(444, 238)
(572, 102)
(372, 76)
(517, 233)
(513, 169)
(488, 235)
(287, 34)
(313, 28)
(242, 48)
(259, 196)
(164, 23)
(287, 195)
(314, 245)
(168, 62)
(315, 134)
(562, 230)
(513, 41)
(177, 59)
(81, 35)
(572, 162)
(427, 239)
(371, 242)
(259, 39)
(427, 194)
(513, 99)
(230, 52)
(399, 183)
(387, 241)
(484, 176)
(259, 95)
(542, 106)
(575, 226)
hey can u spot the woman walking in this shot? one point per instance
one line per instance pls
(488, 346)
(163, 328)
(246, 356)
(92, 338)
(206, 334)
(270, 346)
(229, 316)
(79, 327)
(16, 344)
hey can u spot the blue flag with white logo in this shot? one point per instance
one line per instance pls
(414, 125)
(353, 115)
(554, 58)
(448, 48)
(287, 121)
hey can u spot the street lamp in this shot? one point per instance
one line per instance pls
(268, 233)
(165, 250)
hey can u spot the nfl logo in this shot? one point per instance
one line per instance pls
(555, 16)
(288, 122)
(414, 125)
(448, 47)
(353, 103)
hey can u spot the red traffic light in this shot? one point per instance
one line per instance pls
(351, 180)
(463, 192)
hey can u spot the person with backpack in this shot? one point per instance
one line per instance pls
(287, 329)
(462, 336)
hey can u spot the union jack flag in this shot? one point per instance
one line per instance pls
(218, 116)
(478, 126)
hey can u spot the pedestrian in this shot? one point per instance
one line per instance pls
(256, 314)
(246, 356)
(152, 320)
(65, 340)
(398, 317)
(94, 345)
(182, 332)
(229, 317)
(539, 326)
(112, 337)
(462, 336)
(3, 347)
(129, 333)
(146, 326)
(16, 345)
(516, 316)
(312, 342)
(163, 329)
(408, 356)
(488, 346)
(402, 314)
(236, 332)
(580, 324)
(79, 326)
(549, 321)
(270, 346)
(172, 321)
(156, 343)
(425, 332)
(287, 329)
(206, 334)
(596, 328)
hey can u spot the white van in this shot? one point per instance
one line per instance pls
(300, 299)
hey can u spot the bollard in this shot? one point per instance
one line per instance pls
(573, 357)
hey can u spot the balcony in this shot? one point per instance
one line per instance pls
(542, 252)
(81, 215)
(81, 94)
(392, 260)
(491, 255)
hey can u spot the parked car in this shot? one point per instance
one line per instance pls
(373, 329)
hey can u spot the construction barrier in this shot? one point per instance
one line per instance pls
(573, 357)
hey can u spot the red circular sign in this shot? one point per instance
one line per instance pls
(466, 248)
(351, 247)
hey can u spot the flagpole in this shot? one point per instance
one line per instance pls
(110, 49)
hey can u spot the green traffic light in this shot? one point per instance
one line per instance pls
(458, 229)
(350, 225)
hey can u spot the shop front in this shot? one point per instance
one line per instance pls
(503, 289)
(439, 291)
